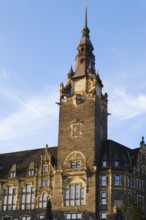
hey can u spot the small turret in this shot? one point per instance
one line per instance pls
(142, 143)
(71, 73)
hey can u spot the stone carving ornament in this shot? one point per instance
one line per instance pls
(76, 128)
(75, 156)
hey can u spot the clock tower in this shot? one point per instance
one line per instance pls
(82, 129)
(83, 107)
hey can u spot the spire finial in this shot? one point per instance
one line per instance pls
(86, 5)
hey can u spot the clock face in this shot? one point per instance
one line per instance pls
(79, 86)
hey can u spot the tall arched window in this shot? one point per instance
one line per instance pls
(42, 200)
(74, 195)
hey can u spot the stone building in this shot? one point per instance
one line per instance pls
(86, 176)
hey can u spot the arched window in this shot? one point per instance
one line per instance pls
(42, 200)
(74, 195)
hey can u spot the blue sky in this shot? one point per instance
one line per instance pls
(38, 41)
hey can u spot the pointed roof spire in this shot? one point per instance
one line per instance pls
(85, 31)
(71, 70)
(85, 55)
(86, 14)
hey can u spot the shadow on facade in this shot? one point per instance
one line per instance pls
(55, 215)
(60, 215)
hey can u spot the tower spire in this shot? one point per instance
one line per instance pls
(86, 14)
(85, 56)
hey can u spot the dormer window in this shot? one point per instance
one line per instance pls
(75, 164)
(45, 168)
(31, 172)
(116, 163)
(31, 169)
(104, 163)
(13, 171)
(13, 174)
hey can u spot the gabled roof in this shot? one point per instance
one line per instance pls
(112, 151)
(23, 159)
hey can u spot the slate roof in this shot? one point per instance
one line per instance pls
(113, 151)
(23, 159)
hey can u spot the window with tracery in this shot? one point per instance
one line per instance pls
(74, 195)
(28, 197)
(42, 200)
(9, 201)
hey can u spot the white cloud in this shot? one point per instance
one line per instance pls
(30, 115)
(125, 106)
(33, 121)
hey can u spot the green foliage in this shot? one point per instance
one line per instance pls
(136, 212)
